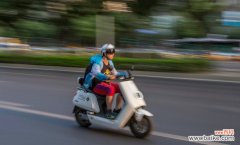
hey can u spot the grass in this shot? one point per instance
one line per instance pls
(164, 64)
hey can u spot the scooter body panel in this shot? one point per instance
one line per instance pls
(86, 100)
(132, 95)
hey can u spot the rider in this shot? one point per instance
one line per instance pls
(102, 72)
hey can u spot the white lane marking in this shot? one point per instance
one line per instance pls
(13, 104)
(64, 117)
(44, 69)
(26, 74)
(148, 76)
(183, 138)
(229, 69)
(225, 108)
(190, 79)
(36, 112)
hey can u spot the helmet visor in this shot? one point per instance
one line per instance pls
(110, 51)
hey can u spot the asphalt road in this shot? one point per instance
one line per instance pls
(35, 109)
(227, 65)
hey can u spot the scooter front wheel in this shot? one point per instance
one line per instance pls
(80, 117)
(141, 129)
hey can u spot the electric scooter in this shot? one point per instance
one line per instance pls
(90, 108)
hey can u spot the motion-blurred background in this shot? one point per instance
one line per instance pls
(197, 40)
(139, 28)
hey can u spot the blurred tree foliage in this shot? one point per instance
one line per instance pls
(199, 9)
(142, 7)
(84, 29)
(73, 21)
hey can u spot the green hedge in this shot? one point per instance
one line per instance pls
(166, 64)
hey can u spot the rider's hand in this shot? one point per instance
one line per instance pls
(112, 77)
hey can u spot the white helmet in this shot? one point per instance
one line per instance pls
(107, 48)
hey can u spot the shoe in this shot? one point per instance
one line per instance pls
(116, 112)
(110, 115)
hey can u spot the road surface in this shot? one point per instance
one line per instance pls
(35, 109)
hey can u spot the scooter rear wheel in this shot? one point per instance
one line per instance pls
(80, 120)
(141, 129)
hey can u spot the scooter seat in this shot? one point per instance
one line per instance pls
(91, 91)
(100, 96)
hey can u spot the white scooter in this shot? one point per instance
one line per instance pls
(90, 109)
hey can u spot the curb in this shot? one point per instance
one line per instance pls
(66, 69)
(224, 75)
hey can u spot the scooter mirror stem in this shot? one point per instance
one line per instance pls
(132, 68)
(129, 74)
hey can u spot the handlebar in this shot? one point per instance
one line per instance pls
(125, 78)
(128, 77)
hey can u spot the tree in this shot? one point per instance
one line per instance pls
(12, 10)
(142, 7)
(199, 9)
(84, 29)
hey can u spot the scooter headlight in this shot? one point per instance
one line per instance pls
(139, 95)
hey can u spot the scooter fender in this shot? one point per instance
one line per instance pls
(142, 112)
